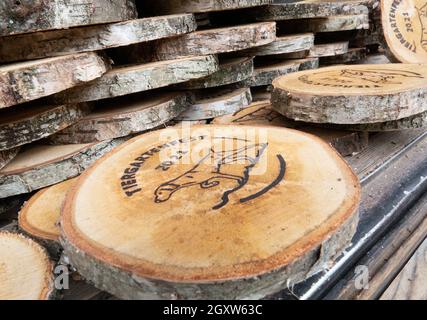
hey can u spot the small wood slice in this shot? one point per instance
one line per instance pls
(284, 44)
(25, 269)
(231, 70)
(196, 6)
(265, 74)
(26, 81)
(31, 16)
(39, 217)
(214, 41)
(261, 114)
(92, 38)
(123, 117)
(6, 156)
(217, 102)
(258, 214)
(125, 80)
(25, 124)
(353, 55)
(329, 49)
(404, 26)
(40, 166)
(356, 94)
(313, 9)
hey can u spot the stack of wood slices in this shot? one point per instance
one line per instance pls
(118, 117)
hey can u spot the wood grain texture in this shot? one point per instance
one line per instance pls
(26, 124)
(27, 81)
(214, 41)
(25, 269)
(6, 156)
(125, 80)
(356, 94)
(40, 166)
(36, 15)
(221, 257)
(92, 38)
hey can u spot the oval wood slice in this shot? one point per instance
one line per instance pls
(6, 156)
(122, 117)
(92, 38)
(39, 217)
(404, 24)
(25, 124)
(353, 55)
(198, 6)
(25, 269)
(213, 103)
(30, 16)
(27, 81)
(329, 49)
(283, 44)
(356, 94)
(125, 80)
(265, 74)
(237, 242)
(40, 166)
(214, 41)
(261, 114)
(231, 70)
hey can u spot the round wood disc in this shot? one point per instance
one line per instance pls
(265, 74)
(261, 114)
(125, 80)
(6, 156)
(123, 117)
(329, 49)
(248, 212)
(217, 102)
(27, 81)
(404, 26)
(356, 94)
(92, 38)
(214, 41)
(30, 16)
(40, 166)
(25, 123)
(25, 269)
(231, 70)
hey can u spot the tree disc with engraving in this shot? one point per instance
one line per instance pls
(27, 123)
(39, 217)
(404, 26)
(92, 38)
(210, 212)
(40, 166)
(27, 81)
(355, 94)
(123, 117)
(124, 80)
(25, 269)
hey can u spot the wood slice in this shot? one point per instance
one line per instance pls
(25, 124)
(404, 24)
(6, 156)
(356, 94)
(198, 6)
(25, 269)
(30, 16)
(261, 224)
(313, 9)
(231, 70)
(214, 41)
(125, 80)
(353, 55)
(261, 114)
(214, 103)
(329, 49)
(40, 166)
(27, 81)
(265, 74)
(92, 38)
(39, 217)
(123, 117)
(283, 44)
